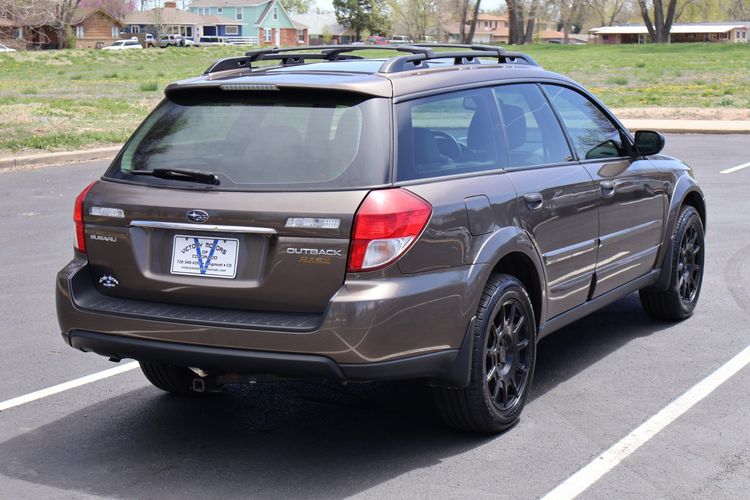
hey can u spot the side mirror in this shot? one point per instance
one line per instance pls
(648, 142)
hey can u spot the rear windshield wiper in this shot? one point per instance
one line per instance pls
(181, 174)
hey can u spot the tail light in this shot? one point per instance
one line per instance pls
(78, 218)
(385, 226)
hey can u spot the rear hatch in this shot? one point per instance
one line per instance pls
(265, 223)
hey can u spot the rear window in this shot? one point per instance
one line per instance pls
(266, 141)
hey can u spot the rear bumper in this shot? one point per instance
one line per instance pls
(433, 365)
(377, 329)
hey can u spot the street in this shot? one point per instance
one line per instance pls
(596, 380)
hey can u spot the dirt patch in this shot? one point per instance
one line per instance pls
(657, 113)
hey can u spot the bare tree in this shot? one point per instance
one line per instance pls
(38, 17)
(661, 24)
(415, 17)
(568, 11)
(739, 10)
(522, 15)
(608, 12)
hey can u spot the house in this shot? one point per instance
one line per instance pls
(324, 29)
(264, 22)
(495, 29)
(170, 20)
(35, 31)
(94, 28)
(725, 32)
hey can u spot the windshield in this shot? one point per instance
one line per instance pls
(265, 140)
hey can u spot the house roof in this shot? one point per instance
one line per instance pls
(552, 34)
(490, 17)
(317, 24)
(83, 13)
(227, 3)
(676, 29)
(175, 16)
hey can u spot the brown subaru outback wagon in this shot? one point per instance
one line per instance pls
(429, 215)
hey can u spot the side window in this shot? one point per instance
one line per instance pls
(533, 133)
(593, 134)
(448, 134)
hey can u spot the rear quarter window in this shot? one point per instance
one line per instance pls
(448, 134)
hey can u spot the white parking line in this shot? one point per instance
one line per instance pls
(55, 389)
(591, 473)
(734, 169)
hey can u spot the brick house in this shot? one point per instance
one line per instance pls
(722, 32)
(94, 28)
(263, 22)
(496, 29)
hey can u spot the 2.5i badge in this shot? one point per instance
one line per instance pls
(108, 281)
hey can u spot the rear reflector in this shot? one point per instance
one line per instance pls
(78, 218)
(387, 223)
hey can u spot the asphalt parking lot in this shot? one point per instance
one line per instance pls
(596, 381)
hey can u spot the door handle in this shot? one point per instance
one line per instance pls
(608, 188)
(534, 201)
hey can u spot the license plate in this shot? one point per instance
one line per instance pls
(201, 256)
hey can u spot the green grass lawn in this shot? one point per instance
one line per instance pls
(61, 100)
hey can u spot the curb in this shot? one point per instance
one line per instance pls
(65, 156)
(689, 126)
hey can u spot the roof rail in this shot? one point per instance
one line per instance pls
(417, 54)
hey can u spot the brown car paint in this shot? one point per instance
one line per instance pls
(583, 248)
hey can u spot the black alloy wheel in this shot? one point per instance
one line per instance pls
(690, 263)
(688, 252)
(507, 355)
(503, 355)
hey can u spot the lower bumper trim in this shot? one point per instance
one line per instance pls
(287, 365)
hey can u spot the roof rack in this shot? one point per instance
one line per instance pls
(417, 54)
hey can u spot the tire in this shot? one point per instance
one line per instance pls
(502, 351)
(678, 301)
(168, 378)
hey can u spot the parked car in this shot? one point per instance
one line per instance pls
(376, 40)
(212, 40)
(376, 219)
(3, 48)
(150, 41)
(399, 39)
(124, 45)
(171, 41)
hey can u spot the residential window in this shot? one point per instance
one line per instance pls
(115, 32)
(238, 16)
(135, 28)
(80, 31)
(219, 10)
(231, 30)
(267, 36)
(300, 36)
(275, 13)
